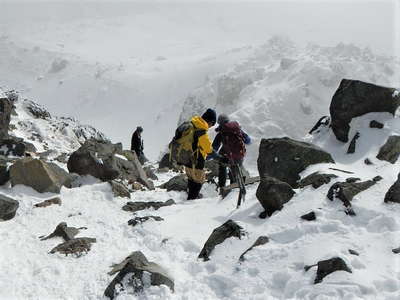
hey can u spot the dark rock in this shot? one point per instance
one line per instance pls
(62, 230)
(396, 250)
(136, 206)
(316, 180)
(391, 150)
(8, 208)
(322, 122)
(219, 235)
(354, 252)
(6, 107)
(352, 179)
(377, 178)
(345, 191)
(48, 202)
(309, 217)
(273, 194)
(352, 146)
(12, 146)
(393, 194)
(107, 161)
(285, 159)
(36, 110)
(376, 124)
(368, 162)
(150, 173)
(355, 98)
(133, 271)
(177, 183)
(41, 176)
(166, 163)
(262, 240)
(4, 172)
(119, 190)
(140, 220)
(76, 246)
(213, 167)
(326, 267)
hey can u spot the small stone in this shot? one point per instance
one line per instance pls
(368, 162)
(376, 124)
(353, 252)
(309, 217)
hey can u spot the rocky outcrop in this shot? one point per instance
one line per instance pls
(139, 205)
(262, 240)
(8, 208)
(6, 107)
(391, 150)
(41, 176)
(316, 180)
(119, 190)
(218, 236)
(273, 194)
(355, 98)
(76, 246)
(107, 161)
(138, 273)
(62, 230)
(285, 159)
(326, 267)
(177, 183)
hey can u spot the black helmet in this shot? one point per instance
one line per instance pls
(139, 128)
(222, 119)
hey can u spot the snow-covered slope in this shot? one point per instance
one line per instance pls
(282, 89)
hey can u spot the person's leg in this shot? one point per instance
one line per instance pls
(221, 175)
(195, 182)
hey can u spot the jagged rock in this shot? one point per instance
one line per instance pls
(107, 161)
(140, 220)
(119, 190)
(62, 158)
(137, 273)
(309, 217)
(368, 162)
(36, 110)
(4, 172)
(322, 122)
(218, 236)
(139, 205)
(262, 240)
(272, 194)
(355, 98)
(316, 180)
(8, 208)
(62, 230)
(352, 179)
(74, 246)
(345, 191)
(177, 183)
(6, 107)
(48, 202)
(354, 252)
(285, 159)
(12, 146)
(391, 150)
(376, 124)
(396, 250)
(326, 267)
(352, 146)
(150, 173)
(41, 176)
(393, 194)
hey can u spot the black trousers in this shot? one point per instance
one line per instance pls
(193, 189)
(232, 172)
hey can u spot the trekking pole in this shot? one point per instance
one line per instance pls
(237, 172)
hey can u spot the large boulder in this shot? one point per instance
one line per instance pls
(6, 107)
(41, 176)
(355, 98)
(8, 208)
(393, 194)
(107, 161)
(137, 273)
(391, 150)
(219, 235)
(273, 194)
(285, 159)
(326, 267)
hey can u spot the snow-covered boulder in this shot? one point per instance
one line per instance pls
(285, 159)
(137, 273)
(41, 176)
(355, 98)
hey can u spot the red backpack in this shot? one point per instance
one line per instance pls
(233, 141)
